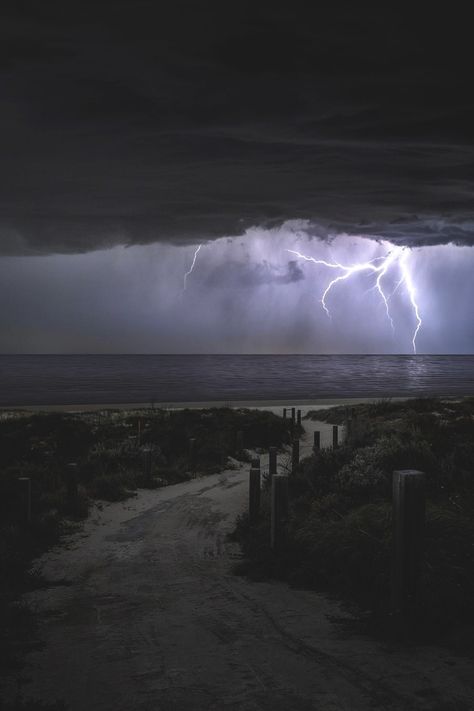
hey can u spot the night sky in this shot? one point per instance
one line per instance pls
(132, 132)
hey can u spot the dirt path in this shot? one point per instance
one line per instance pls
(154, 619)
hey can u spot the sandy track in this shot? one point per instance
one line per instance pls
(154, 619)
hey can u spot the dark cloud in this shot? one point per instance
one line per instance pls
(135, 122)
(294, 273)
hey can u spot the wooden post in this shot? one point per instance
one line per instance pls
(147, 464)
(24, 484)
(254, 495)
(298, 418)
(139, 432)
(316, 441)
(72, 487)
(279, 512)
(295, 455)
(408, 526)
(293, 420)
(335, 436)
(272, 462)
(255, 463)
(192, 455)
(284, 413)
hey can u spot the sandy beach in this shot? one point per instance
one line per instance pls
(152, 617)
(140, 609)
(270, 405)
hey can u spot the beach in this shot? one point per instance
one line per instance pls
(275, 406)
(140, 603)
(142, 608)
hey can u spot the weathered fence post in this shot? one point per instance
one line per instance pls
(255, 463)
(284, 413)
(335, 436)
(192, 455)
(147, 464)
(72, 486)
(279, 513)
(316, 441)
(298, 418)
(24, 484)
(272, 462)
(139, 432)
(295, 455)
(254, 495)
(408, 526)
(293, 413)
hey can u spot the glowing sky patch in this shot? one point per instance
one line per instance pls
(246, 294)
(396, 257)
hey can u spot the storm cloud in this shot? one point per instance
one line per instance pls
(129, 123)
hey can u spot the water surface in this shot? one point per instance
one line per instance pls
(94, 379)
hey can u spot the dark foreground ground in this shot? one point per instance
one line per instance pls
(149, 615)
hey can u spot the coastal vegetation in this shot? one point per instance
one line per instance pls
(70, 460)
(104, 452)
(339, 535)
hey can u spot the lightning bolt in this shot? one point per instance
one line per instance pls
(412, 294)
(378, 266)
(196, 252)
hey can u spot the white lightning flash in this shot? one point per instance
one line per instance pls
(396, 256)
(191, 267)
(407, 280)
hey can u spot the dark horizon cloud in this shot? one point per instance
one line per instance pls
(133, 123)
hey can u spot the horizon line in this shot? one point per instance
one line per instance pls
(410, 355)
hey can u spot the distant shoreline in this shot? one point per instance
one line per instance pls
(314, 403)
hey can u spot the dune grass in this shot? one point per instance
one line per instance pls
(340, 524)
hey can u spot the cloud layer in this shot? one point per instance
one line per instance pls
(132, 123)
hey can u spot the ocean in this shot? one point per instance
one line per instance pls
(114, 379)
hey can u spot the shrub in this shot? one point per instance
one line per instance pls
(340, 523)
(109, 487)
